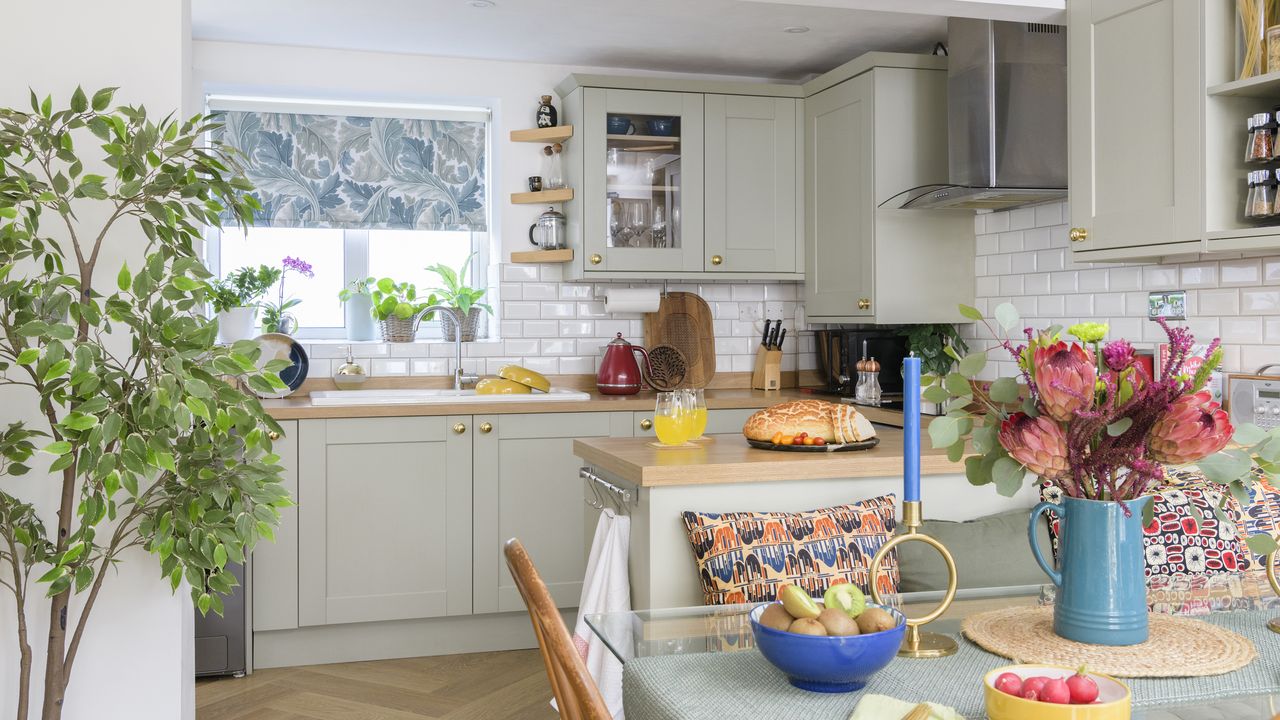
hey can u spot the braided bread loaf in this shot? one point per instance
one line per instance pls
(833, 422)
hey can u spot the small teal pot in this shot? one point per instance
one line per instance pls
(1102, 586)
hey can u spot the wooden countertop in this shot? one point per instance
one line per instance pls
(729, 459)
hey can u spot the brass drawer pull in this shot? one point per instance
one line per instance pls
(716, 259)
(646, 424)
(864, 303)
(1078, 234)
(459, 428)
(596, 259)
(486, 427)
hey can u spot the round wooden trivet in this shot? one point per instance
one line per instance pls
(1176, 647)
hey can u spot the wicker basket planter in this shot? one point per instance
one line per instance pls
(396, 329)
(469, 323)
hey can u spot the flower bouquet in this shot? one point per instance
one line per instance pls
(1086, 418)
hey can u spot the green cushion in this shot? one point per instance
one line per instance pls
(990, 551)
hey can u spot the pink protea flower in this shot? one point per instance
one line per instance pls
(1065, 377)
(1194, 427)
(1037, 443)
(1117, 355)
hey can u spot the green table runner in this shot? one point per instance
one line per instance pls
(713, 686)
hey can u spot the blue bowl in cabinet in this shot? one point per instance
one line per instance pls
(829, 663)
(663, 127)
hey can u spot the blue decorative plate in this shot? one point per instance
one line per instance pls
(282, 347)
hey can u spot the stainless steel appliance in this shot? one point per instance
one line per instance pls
(1006, 117)
(220, 639)
(1254, 399)
(840, 350)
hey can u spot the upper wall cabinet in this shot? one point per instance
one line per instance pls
(868, 139)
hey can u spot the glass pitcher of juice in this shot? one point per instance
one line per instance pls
(671, 421)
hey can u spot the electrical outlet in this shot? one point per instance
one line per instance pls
(1170, 305)
(749, 312)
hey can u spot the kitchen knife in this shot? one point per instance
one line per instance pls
(764, 341)
(781, 337)
(773, 339)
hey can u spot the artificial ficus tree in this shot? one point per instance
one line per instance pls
(143, 419)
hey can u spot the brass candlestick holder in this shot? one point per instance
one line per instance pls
(1274, 624)
(917, 644)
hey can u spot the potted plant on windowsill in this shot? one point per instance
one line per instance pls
(235, 299)
(276, 317)
(464, 300)
(357, 309)
(397, 309)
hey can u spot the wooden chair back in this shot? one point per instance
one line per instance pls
(575, 691)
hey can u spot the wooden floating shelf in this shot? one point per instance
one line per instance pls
(543, 256)
(1260, 86)
(643, 139)
(545, 196)
(543, 135)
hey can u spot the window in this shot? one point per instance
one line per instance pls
(356, 191)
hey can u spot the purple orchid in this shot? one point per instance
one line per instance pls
(298, 265)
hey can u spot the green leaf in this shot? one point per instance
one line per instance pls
(957, 385)
(1262, 544)
(79, 103)
(1008, 317)
(61, 447)
(1246, 434)
(1008, 474)
(184, 283)
(1117, 428)
(944, 431)
(1226, 466)
(935, 394)
(220, 556)
(971, 313)
(197, 407)
(102, 98)
(84, 576)
(984, 439)
(1004, 390)
(28, 356)
(1148, 513)
(956, 451)
(204, 602)
(76, 421)
(124, 279)
(57, 370)
(971, 365)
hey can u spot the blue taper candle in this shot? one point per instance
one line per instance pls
(911, 429)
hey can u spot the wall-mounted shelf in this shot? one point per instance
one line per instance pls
(643, 139)
(543, 135)
(543, 256)
(1260, 86)
(543, 197)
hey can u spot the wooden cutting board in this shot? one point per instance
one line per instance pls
(683, 321)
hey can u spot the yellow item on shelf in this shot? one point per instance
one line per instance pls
(499, 386)
(525, 376)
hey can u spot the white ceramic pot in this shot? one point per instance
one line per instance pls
(359, 318)
(237, 324)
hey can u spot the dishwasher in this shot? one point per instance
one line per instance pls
(221, 647)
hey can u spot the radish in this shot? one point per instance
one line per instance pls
(1082, 687)
(1009, 684)
(1055, 691)
(1033, 685)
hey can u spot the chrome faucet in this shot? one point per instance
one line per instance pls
(460, 378)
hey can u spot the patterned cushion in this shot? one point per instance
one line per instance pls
(1185, 536)
(745, 556)
(1261, 515)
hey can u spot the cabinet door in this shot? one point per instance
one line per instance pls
(386, 526)
(839, 187)
(752, 196)
(527, 487)
(1135, 90)
(275, 564)
(642, 181)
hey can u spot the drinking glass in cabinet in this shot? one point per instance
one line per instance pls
(643, 181)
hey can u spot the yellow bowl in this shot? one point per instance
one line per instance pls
(1113, 697)
(525, 376)
(498, 386)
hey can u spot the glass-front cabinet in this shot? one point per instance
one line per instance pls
(642, 190)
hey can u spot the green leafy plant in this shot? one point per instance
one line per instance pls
(930, 342)
(143, 423)
(355, 287)
(399, 300)
(242, 288)
(454, 291)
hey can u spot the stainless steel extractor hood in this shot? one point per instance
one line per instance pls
(1006, 117)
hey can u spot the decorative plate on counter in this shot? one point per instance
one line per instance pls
(278, 346)
(833, 447)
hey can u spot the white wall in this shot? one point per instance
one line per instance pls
(136, 657)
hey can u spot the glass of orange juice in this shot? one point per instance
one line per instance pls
(698, 410)
(671, 419)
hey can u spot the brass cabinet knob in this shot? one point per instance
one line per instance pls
(1078, 235)
(596, 259)
(646, 424)
(273, 435)
(864, 303)
(486, 427)
(716, 259)
(459, 428)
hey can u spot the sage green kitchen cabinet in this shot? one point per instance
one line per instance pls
(275, 564)
(753, 202)
(1135, 95)
(867, 140)
(386, 519)
(526, 486)
(719, 422)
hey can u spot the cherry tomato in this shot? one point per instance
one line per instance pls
(819, 441)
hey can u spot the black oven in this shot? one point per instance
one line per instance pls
(840, 350)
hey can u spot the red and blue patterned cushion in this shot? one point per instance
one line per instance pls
(746, 556)
(1262, 514)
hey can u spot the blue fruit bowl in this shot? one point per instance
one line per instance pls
(828, 663)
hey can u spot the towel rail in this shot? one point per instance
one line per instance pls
(599, 483)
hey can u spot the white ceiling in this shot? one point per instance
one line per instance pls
(722, 37)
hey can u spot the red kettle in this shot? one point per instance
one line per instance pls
(619, 373)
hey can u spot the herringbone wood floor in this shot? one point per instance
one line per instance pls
(481, 686)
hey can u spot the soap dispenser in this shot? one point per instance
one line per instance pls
(349, 375)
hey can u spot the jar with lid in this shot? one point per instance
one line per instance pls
(1262, 134)
(1261, 198)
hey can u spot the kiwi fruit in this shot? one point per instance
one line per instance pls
(873, 619)
(797, 602)
(837, 622)
(807, 626)
(775, 616)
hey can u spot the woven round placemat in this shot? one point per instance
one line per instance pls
(1176, 647)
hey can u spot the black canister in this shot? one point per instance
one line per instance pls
(547, 113)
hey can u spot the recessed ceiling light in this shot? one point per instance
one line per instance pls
(481, 3)
(795, 29)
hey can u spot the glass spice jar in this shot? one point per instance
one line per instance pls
(1262, 136)
(1260, 200)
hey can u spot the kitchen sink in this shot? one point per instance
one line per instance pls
(437, 397)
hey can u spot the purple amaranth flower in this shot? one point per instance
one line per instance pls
(298, 265)
(1118, 355)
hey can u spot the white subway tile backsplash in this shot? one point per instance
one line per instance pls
(558, 310)
(712, 292)
(541, 328)
(1036, 284)
(1240, 272)
(1011, 284)
(1050, 260)
(575, 292)
(1036, 238)
(748, 292)
(1053, 306)
(1124, 278)
(607, 329)
(521, 309)
(522, 346)
(1260, 301)
(1200, 275)
(1242, 329)
(1092, 281)
(430, 367)
(544, 365)
(539, 291)
(1022, 263)
(385, 368)
(578, 365)
(519, 273)
(593, 309)
(999, 264)
(1108, 304)
(1022, 218)
(1063, 282)
(988, 244)
(557, 347)
(1048, 214)
(1010, 242)
(1079, 306)
(1159, 277)
(1218, 302)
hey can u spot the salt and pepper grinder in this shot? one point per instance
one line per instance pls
(547, 116)
(873, 382)
(860, 388)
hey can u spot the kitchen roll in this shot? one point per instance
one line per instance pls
(631, 300)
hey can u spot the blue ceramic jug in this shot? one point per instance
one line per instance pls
(1102, 586)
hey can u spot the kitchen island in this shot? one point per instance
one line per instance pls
(725, 474)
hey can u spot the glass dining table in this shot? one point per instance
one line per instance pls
(726, 629)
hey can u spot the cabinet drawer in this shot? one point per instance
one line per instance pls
(354, 431)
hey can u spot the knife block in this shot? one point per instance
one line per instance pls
(768, 371)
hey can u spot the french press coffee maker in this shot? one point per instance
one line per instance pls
(548, 233)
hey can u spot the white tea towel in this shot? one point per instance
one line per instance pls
(606, 588)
